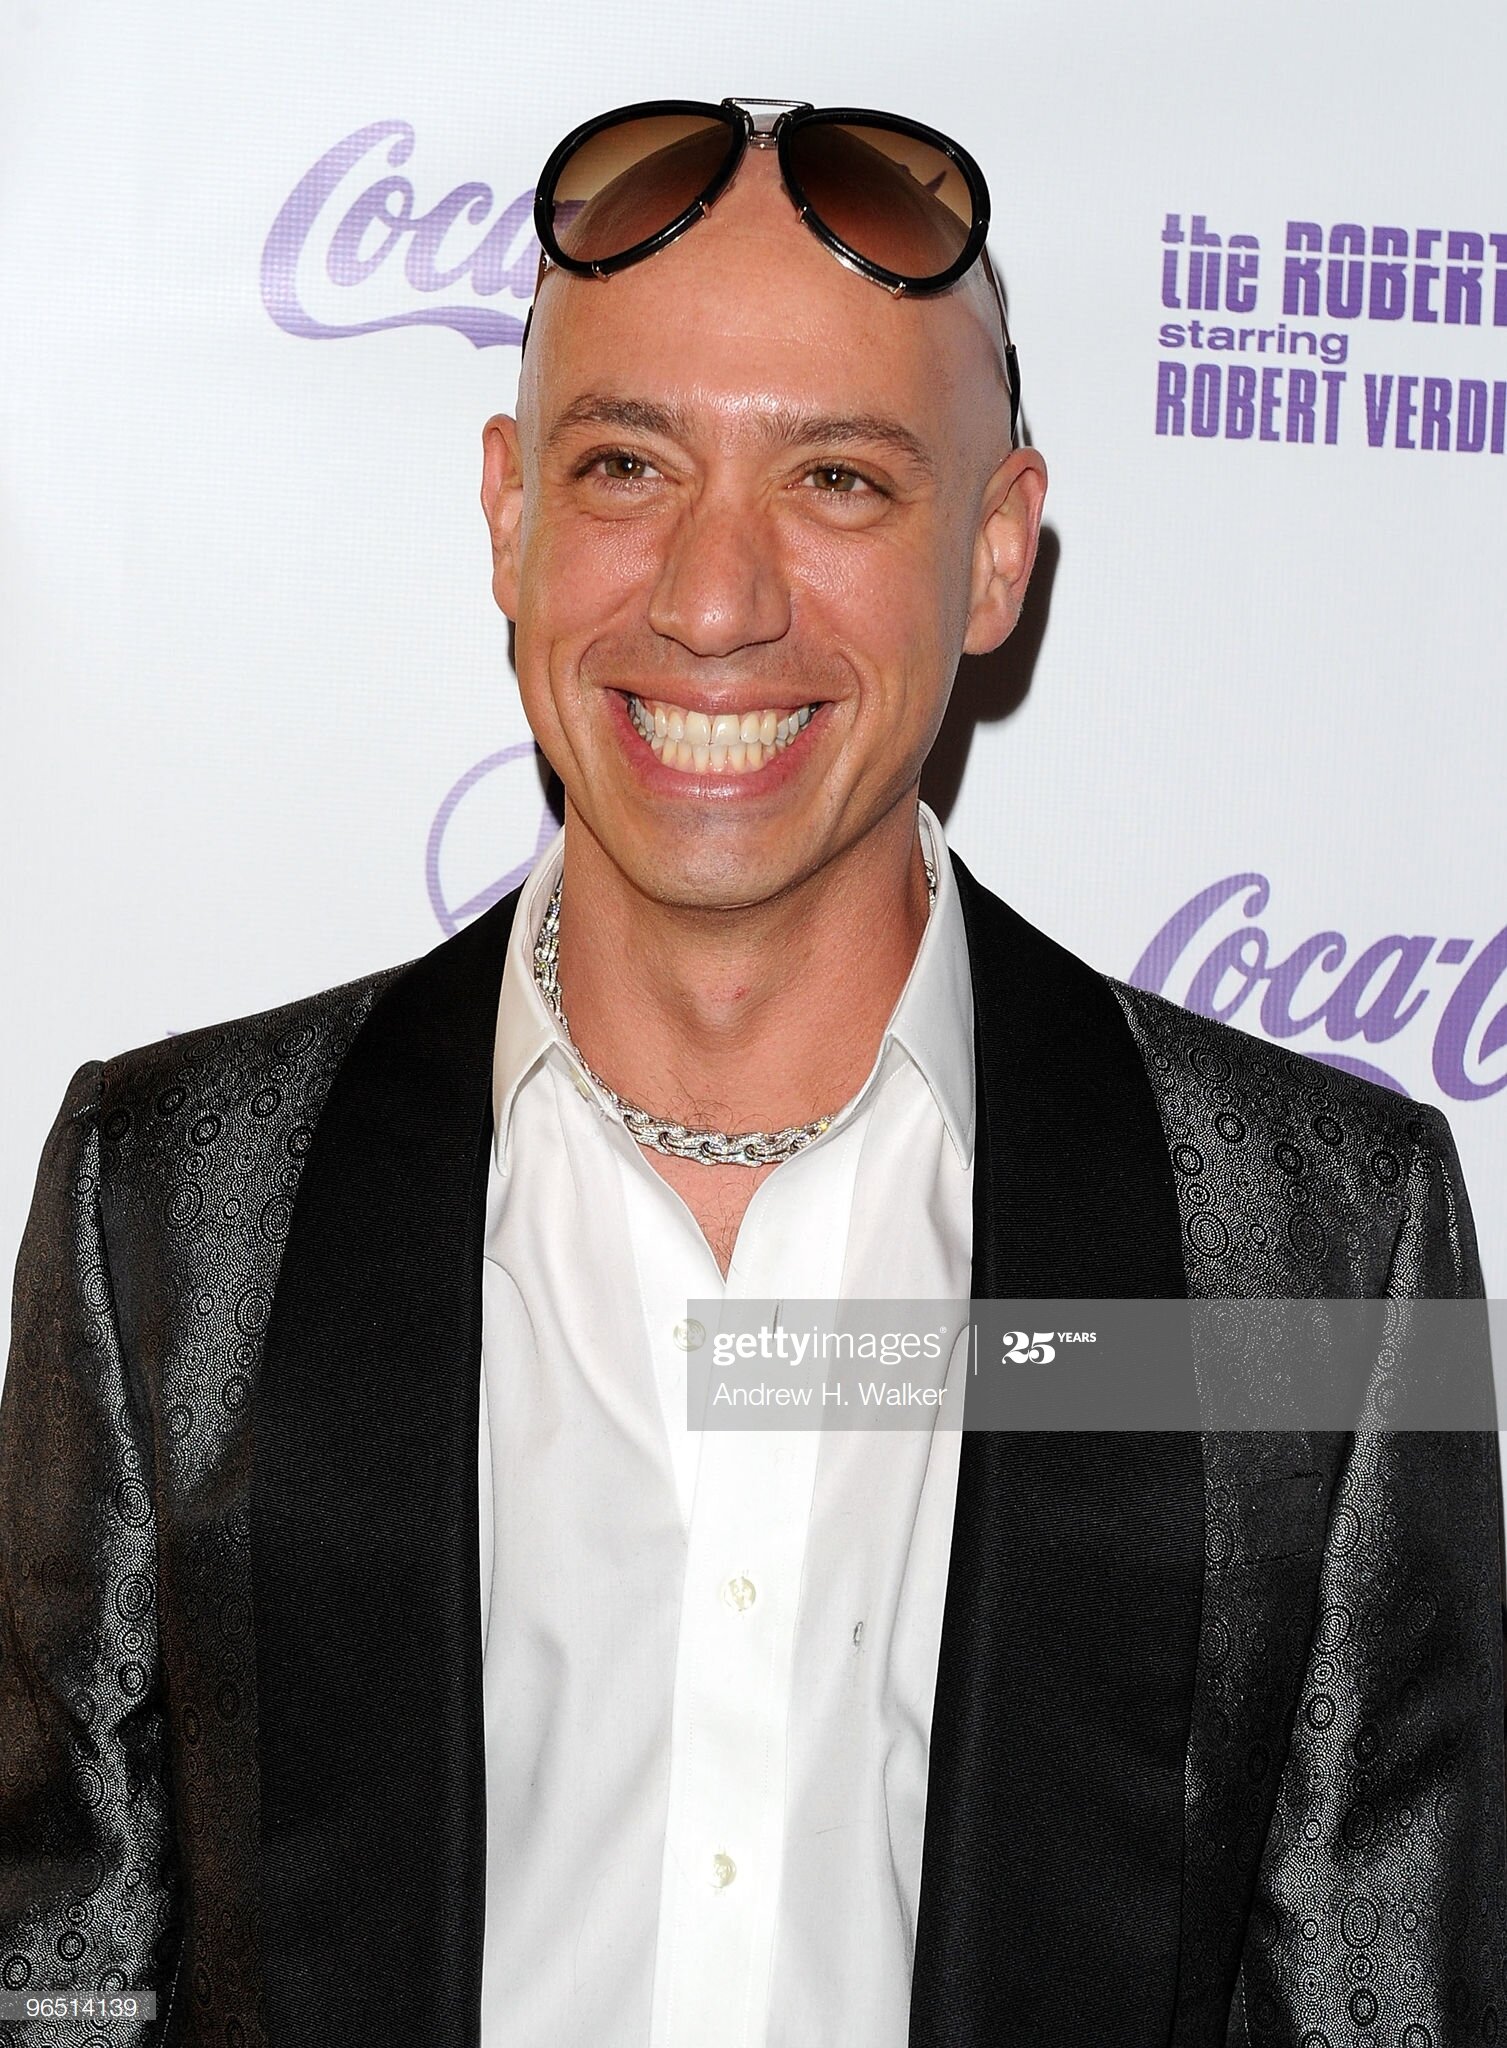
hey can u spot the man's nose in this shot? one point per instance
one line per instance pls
(722, 584)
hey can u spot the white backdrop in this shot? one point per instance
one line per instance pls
(261, 730)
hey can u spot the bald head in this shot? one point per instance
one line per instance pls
(754, 243)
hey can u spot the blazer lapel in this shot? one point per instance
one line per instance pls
(364, 1531)
(1052, 1869)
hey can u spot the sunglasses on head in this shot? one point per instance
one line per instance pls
(897, 202)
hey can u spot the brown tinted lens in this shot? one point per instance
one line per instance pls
(625, 184)
(892, 198)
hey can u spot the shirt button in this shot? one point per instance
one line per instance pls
(690, 1335)
(724, 1870)
(739, 1594)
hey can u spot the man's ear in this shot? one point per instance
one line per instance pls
(1004, 549)
(502, 501)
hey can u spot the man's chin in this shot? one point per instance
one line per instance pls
(703, 868)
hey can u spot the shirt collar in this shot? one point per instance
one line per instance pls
(933, 1020)
(526, 1028)
(932, 1023)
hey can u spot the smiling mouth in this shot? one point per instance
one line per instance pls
(715, 743)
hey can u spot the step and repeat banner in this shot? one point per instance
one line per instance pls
(263, 274)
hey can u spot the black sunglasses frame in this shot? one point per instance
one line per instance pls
(745, 132)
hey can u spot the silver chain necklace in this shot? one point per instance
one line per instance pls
(662, 1133)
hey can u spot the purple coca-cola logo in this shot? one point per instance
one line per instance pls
(498, 802)
(353, 224)
(1215, 956)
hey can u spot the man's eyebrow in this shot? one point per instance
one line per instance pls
(846, 430)
(639, 416)
(779, 426)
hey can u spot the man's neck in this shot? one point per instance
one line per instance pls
(751, 1019)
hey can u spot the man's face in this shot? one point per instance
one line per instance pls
(747, 484)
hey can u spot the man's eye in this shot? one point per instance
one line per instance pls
(618, 465)
(836, 477)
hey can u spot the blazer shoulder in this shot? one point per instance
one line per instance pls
(1340, 1164)
(1190, 1053)
(232, 1083)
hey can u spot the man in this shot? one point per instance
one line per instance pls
(842, 1737)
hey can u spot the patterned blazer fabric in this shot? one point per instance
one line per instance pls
(1350, 1659)
(128, 1750)
(1343, 1849)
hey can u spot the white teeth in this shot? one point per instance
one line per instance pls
(719, 743)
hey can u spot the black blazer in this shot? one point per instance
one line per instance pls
(1217, 1748)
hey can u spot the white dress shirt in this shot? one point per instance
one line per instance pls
(709, 1656)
